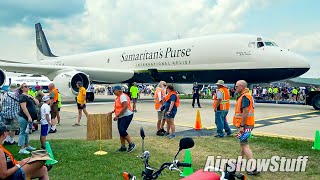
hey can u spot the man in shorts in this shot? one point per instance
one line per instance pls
(54, 106)
(10, 109)
(244, 120)
(81, 102)
(134, 91)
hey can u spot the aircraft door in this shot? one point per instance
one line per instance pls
(154, 74)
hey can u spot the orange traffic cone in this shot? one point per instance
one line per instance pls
(198, 124)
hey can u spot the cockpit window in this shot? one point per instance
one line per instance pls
(260, 44)
(268, 43)
(252, 44)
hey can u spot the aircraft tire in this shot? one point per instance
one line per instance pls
(316, 102)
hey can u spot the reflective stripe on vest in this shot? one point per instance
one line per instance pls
(225, 101)
(118, 106)
(237, 118)
(157, 103)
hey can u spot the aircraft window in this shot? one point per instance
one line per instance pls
(260, 44)
(251, 44)
(268, 43)
(274, 44)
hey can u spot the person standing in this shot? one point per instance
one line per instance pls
(158, 103)
(134, 91)
(172, 102)
(54, 106)
(195, 94)
(123, 116)
(59, 107)
(10, 109)
(27, 114)
(81, 102)
(221, 106)
(244, 119)
(45, 120)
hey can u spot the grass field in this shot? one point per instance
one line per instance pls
(77, 160)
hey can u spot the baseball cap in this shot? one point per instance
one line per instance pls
(4, 128)
(45, 98)
(13, 86)
(117, 88)
(79, 83)
(38, 87)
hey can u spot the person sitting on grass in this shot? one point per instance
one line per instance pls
(12, 169)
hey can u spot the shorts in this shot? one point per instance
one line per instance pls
(45, 129)
(79, 106)
(134, 100)
(54, 110)
(18, 175)
(123, 124)
(171, 115)
(14, 123)
(247, 140)
(160, 115)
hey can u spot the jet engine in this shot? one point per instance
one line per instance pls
(66, 81)
(2, 77)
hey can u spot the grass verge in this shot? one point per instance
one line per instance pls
(77, 160)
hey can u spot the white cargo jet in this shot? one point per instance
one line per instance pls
(229, 57)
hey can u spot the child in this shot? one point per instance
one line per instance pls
(45, 120)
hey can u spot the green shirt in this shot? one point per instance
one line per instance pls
(134, 92)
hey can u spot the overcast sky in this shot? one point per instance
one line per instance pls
(76, 26)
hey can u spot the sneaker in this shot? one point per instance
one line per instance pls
(172, 136)
(166, 134)
(76, 124)
(131, 147)
(253, 173)
(162, 130)
(30, 148)
(229, 134)
(218, 136)
(160, 133)
(24, 151)
(42, 147)
(122, 149)
(53, 131)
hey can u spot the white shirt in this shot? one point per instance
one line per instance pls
(45, 109)
(123, 98)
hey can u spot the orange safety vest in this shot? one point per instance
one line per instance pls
(157, 103)
(225, 101)
(167, 98)
(118, 105)
(55, 98)
(9, 154)
(237, 118)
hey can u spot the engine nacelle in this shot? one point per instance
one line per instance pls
(66, 81)
(2, 77)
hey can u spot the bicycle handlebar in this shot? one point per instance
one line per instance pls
(179, 164)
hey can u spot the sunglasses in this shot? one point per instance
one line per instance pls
(25, 86)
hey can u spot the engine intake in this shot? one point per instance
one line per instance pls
(2, 77)
(66, 82)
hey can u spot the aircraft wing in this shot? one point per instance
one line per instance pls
(45, 70)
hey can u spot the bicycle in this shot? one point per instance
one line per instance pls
(149, 173)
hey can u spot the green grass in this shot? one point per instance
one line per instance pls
(77, 160)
